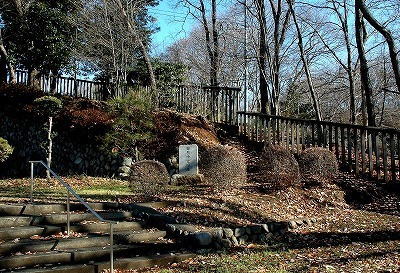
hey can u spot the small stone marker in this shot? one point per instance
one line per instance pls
(188, 159)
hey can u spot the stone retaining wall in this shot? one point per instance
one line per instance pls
(70, 155)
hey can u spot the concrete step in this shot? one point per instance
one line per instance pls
(103, 253)
(81, 268)
(29, 209)
(61, 218)
(30, 260)
(20, 252)
(40, 209)
(139, 236)
(144, 261)
(8, 233)
(28, 245)
(102, 227)
(66, 256)
(18, 221)
(122, 264)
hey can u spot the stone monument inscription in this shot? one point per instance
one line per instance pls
(188, 159)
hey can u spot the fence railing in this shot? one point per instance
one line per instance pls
(367, 151)
(69, 86)
(218, 104)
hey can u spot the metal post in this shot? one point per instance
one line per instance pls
(32, 181)
(111, 248)
(68, 213)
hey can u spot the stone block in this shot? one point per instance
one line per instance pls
(201, 238)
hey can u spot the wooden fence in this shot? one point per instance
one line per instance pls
(368, 151)
(218, 104)
(69, 86)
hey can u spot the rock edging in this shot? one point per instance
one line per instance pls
(222, 238)
(217, 238)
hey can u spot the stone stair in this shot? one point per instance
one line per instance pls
(33, 238)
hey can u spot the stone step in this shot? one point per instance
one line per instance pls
(140, 236)
(103, 227)
(30, 260)
(67, 256)
(8, 233)
(103, 253)
(30, 209)
(144, 261)
(61, 218)
(41, 209)
(28, 245)
(23, 253)
(122, 264)
(18, 221)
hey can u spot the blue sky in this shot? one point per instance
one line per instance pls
(172, 24)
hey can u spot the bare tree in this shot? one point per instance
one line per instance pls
(198, 10)
(112, 38)
(393, 51)
(305, 64)
(262, 56)
(271, 51)
(364, 70)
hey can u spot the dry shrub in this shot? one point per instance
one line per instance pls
(279, 167)
(150, 176)
(318, 164)
(223, 167)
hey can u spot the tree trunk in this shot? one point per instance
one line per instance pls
(212, 45)
(393, 51)
(262, 57)
(53, 84)
(280, 29)
(349, 68)
(215, 60)
(50, 146)
(364, 70)
(143, 50)
(5, 63)
(305, 64)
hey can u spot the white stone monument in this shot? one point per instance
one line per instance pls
(188, 159)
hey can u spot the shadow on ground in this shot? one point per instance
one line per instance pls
(376, 196)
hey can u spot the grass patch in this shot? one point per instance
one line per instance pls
(259, 259)
(90, 188)
(354, 257)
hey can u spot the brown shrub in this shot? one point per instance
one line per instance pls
(223, 167)
(150, 176)
(318, 164)
(279, 167)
